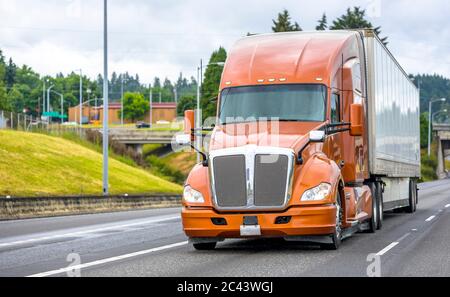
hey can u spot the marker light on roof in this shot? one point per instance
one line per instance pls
(282, 79)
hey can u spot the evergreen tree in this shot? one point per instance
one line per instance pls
(211, 84)
(10, 74)
(283, 23)
(323, 23)
(355, 19)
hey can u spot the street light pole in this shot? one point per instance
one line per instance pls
(151, 106)
(105, 102)
(43, 98)
(198, 115)
(48, 100)
(121, 104)
(62, 105)
(429, 122)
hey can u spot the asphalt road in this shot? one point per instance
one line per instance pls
(151, 243)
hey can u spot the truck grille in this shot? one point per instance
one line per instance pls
(230, 176)
(270, 179)
(251, 177)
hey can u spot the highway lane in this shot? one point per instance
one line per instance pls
(151, 243)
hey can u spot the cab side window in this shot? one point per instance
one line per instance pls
(335, 108)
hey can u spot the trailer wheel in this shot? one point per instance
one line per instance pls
(336, 238)
(205, 246)
(380, 208)
(411, 208)
(373, 223)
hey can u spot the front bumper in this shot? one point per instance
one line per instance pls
(305, 220)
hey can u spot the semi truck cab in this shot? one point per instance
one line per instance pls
(290, 153)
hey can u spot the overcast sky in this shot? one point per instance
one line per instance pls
(166, 37)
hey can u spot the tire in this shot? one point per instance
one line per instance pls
(411, 208)
(380, 210)
(373, 223)
(205, 246)
(336, 238)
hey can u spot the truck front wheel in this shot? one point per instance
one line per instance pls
(336, 238)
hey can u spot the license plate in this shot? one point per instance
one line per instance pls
(254, 230)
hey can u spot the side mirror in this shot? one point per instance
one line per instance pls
(183, 139)
(189, 123)
(317, 136)
(356, 120)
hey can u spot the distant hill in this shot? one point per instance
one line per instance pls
(432, 87)
(39, 165)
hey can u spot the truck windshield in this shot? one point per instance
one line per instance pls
(299, 103)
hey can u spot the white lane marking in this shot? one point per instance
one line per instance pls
(447, 206)
(79, 233)
(403, 237)
(108, 260)
(386, 249)
(430, 218)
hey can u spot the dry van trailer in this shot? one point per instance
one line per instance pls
(394, 125)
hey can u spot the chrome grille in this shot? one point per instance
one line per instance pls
(251, 177)
(230, 176)
(270, 179)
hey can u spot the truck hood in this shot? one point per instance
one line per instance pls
(277, 134)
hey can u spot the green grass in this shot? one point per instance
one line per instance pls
(33, 164)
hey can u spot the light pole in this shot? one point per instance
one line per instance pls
(43, 96)
(121, 104)
(198, 115)
(429, 122)
(81, 98)
(62, 105)
(105, 101)
(151, 105)
(48, 100)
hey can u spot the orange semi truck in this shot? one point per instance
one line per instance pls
(317, 135)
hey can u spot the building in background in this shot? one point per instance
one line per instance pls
(161, 112)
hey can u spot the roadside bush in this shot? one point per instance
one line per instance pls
(160, 168)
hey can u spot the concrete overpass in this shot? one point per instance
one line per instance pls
(442, 132)
(136, 138)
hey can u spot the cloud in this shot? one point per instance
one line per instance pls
(165, 37)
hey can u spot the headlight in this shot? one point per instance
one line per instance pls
(318, 193)
(192, 196)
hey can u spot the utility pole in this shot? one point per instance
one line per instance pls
(198, 113)
(105, 102)
(121, 104)
(48, 101)
(160, 97)
(151, 106)
(43, 98)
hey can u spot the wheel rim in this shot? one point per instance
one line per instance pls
(338, 217)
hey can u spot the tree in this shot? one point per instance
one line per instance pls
(355, 19)
(211, 84)
(186, 103)
(323, 23)
(134, 106)
(283, 23)
(10, 73)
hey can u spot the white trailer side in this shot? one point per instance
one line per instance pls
(394, 122)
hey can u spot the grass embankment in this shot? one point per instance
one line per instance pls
(174, 167)
(33, 164)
